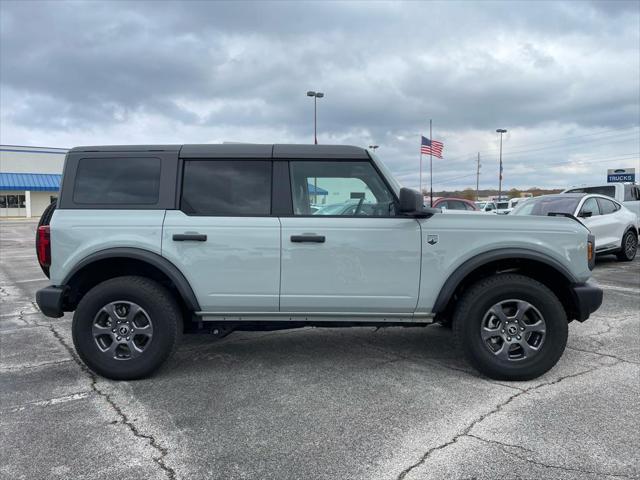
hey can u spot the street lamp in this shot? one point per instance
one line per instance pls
(316, 96)
(373, 147)
(500, 131)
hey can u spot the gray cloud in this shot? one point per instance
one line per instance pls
(142, 72)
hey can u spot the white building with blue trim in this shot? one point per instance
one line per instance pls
(29, 179)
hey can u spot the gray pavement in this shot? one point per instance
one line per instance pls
(315, 404)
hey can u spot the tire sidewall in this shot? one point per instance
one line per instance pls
(623, 252)
(164, 332)
(538, 296)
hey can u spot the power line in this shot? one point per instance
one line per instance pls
(519, 149)
(601, 160)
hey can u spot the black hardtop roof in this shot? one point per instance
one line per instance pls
(240, 150)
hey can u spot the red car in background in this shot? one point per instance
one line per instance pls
(453, 204)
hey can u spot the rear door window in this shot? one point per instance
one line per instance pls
(117, 181)
(226, 187)
(607, 206)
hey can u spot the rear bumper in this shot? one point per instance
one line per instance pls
(49, 300)
(587, 298)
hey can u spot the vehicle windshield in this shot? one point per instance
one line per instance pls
(545, 205)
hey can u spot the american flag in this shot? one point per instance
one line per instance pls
(431, 147)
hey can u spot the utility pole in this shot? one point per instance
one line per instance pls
(500, 131)
(478, 177)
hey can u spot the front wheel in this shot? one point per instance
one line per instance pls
(629, 247)
(126, 327)
(511, 327)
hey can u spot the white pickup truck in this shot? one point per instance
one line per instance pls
(627, 194)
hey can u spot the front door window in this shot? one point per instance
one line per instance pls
(340, 188)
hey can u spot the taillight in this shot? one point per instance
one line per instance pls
(43, 245)
(591, 254)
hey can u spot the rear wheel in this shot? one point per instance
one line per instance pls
(511, 327)
(126, 327)
(629, 247)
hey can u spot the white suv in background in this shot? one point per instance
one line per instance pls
(613, 225)
(627, 194)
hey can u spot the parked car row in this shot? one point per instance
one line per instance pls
(613, 225)
(611, 211)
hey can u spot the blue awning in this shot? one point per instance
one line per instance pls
(317, 191)
(48, 182)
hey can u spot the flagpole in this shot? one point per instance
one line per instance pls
(431, 161)
(421, 166)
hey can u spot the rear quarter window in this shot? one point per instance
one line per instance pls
(117, 181)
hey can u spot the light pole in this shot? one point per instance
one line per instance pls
(316, 96)
(373, 147)
(500, 131)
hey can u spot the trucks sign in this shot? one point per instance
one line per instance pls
(621, 175)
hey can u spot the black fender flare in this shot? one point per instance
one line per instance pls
(153, 259)
(460, 273)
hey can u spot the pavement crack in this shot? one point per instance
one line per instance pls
(572, 469)
(123, 418)
(502, 444)
(466, 431)
(603, 355)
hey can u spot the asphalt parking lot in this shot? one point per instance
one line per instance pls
(315, 403)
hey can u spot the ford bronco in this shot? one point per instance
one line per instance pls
(149, 242)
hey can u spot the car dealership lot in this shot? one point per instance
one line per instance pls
(315, 403)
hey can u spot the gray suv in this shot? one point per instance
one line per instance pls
(150, 242)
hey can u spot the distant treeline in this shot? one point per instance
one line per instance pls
(470, 193)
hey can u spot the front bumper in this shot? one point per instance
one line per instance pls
(587, 299)
(49, 300)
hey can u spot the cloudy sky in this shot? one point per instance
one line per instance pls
(562, 77)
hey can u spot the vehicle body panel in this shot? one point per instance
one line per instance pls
(364, 265)
(560, 239)
(76, 234)
(237, 268)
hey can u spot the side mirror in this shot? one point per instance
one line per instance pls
(586, 214)
(411, 201)
(412, 204)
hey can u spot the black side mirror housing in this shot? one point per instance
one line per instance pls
(586, 214)
(412, 204)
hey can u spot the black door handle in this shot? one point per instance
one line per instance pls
(307, 238)
(189, 237)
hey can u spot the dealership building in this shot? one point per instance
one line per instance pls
(29, 179)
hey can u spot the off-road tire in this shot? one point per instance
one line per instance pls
(162, 310)
(628, 247)
(476, 302)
